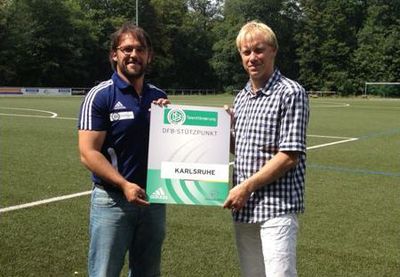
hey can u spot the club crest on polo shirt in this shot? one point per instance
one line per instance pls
(121, 115)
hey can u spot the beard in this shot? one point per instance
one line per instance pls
(134, 71)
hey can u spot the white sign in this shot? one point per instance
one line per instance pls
(188, 155)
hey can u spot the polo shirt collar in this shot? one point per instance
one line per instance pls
(124, 86)
(119, 82)
(266, 90)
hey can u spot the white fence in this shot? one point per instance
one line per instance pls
(42, 91)
(83, 91)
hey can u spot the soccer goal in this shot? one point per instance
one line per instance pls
(322, 93)
(382, 89)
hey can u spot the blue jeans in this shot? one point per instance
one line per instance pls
(117, 227)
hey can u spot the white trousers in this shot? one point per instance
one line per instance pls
(268, 249)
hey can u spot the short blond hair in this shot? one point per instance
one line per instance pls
(254, 27)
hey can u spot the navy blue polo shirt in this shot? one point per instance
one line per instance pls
(114, 106)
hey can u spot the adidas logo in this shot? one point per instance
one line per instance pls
(119, 106)
(159, 194)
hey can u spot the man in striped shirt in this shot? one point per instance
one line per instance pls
(270, 117)
(113, 143)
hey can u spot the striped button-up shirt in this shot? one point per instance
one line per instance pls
(273, 119)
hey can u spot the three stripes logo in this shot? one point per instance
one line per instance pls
(159, 194)
(119, 106)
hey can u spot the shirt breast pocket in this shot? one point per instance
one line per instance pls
(264, 131)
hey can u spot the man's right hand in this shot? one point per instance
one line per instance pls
(135, 194)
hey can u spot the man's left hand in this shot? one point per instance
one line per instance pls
(237, 197)
(162, 102)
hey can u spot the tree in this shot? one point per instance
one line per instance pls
(7, 68)
(280, 15)
(105, 16)
(193, 45)
(183, 43)
(226, 60)
(378, 55)
(47, 44)
(327, 42)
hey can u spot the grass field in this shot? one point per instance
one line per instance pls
(351, 226)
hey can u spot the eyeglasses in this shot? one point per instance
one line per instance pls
(127, 50)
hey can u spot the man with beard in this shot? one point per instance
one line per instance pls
(113, 143)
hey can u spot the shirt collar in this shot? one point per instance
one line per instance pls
(119, 82)
(276, 75)
(124, 86)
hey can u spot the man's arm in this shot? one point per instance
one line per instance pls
(90, 143)
(270, 172)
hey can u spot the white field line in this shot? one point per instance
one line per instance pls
(39, 116)
(45, 201)
(331, 105)
(342, 140)
(60, 198)
(52, 114)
